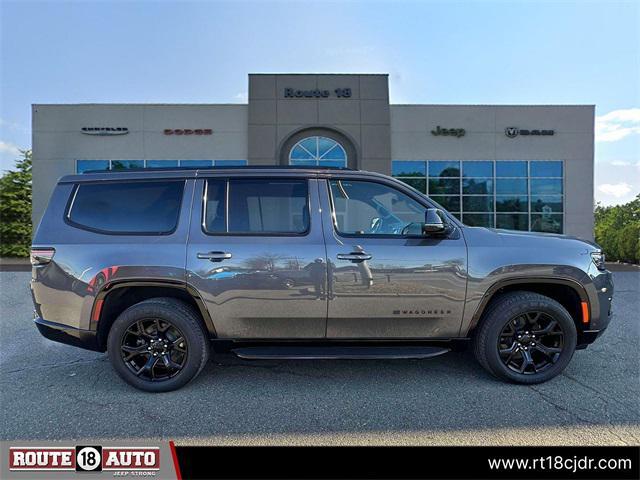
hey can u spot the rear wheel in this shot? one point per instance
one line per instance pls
(525, 337)
(158, 345)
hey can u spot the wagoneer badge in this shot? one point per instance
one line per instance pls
(105, 130)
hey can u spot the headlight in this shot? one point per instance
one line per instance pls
(598, 260)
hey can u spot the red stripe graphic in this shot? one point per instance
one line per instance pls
(175, 459)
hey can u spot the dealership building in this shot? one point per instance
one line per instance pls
(520, 167)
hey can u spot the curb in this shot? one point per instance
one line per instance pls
(10, 264)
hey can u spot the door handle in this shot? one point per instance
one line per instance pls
(214, 256)
(354, 256)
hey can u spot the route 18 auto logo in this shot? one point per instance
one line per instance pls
(84, 458)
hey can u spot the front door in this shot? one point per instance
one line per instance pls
(385, 279)
(256, 256)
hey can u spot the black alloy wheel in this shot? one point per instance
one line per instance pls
(525, 337)
(154, 349)
(531, 342)
(159, 344)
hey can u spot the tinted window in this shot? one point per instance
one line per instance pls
(268, 206)
(369, 208)
(131, 207)
(215, 195)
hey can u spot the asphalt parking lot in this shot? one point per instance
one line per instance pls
(50, 391)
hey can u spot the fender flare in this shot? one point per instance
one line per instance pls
(178, 285)
(495, 287)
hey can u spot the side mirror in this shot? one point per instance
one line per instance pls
(435, 222)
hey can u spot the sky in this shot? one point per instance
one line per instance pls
(471, 52)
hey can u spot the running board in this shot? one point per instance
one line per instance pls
(335, 353)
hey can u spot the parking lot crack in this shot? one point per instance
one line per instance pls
(604, 395)
(575, 416)
(277, 369)
(557, 406)
(54, 365)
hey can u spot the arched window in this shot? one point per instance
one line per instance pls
(318, 151)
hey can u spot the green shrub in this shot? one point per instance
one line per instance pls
(15, 209)
(617, 231)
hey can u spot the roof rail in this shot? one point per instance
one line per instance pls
(230, 167)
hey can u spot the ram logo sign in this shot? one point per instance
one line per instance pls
(513, 132)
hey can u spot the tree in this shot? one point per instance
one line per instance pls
(617, 231)
(15, 208)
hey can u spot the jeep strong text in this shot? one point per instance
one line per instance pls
(161, 267)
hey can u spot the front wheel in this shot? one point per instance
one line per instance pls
(158, 345)
(525, 337)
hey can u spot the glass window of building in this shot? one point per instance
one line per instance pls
(510, 194)
(161, 163)
(83, 166)
(229, 163)
(196, 163)
(318, 151)
(126, 164)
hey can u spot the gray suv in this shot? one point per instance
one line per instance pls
(160, 267)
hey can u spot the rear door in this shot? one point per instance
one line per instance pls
(256, 255)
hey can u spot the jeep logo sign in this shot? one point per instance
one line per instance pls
(452, 132)
(513, 132)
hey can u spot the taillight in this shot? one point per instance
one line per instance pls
(41, 256)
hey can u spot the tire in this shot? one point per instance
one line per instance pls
(175, 362)
(529, 315)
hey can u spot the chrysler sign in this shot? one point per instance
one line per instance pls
(513, 132)
(104, 131)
